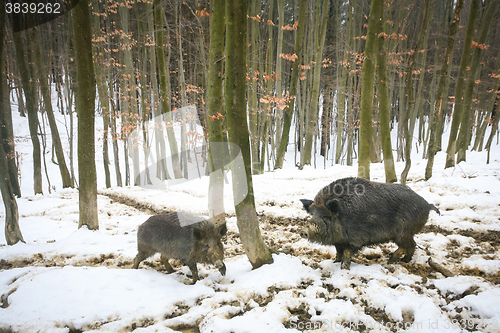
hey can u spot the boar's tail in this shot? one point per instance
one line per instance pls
(434, 208)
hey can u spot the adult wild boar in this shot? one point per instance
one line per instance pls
(183, 236)
(351, 213)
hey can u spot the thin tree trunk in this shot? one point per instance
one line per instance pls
(164, 89)
(411, 112)
(459, 85)
(130, 91)
(160, 148)
(6, 128)
(473, 74)
(288, 114)
(182, 83)
(433, 148)
(278, 112)
(102, 88)
(494, 120)
(313, 110)
(248, 224)
(29, 93)
(145, 92)
(40, 64)
(383, 99)
(85, 103)
(217, 151)
(12, 230)
(253, 67)
(365, 119)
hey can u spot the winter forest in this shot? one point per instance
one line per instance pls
(112, 111)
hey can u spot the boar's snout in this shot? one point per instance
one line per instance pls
(304, 233)
(218, 264)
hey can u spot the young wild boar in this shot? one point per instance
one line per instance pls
(351, 213)
(181, 236)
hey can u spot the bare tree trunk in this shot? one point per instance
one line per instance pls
(164, 89)
(459, 86)
(383, 99)
(217, 151)
(161, 161)
(85, 103)
(494, 120)
(248, 224)
(278, 93)
(439, 100)
(40, 64)
(288, 114)
(102, 88)
(365, 122)
(411, 112)
(463, 137)
(12, 231)
(313, 110)
(182, 83)
(130, 91)
(144, 88)
(29, 93)
(253, 67)
(6, 129)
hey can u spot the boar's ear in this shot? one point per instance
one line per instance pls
(333, 206)
(306, 204)
(222, 229)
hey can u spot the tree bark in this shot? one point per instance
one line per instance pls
(313, 110)
(253, 68)
(288, 114)
(12, 230)
(383, 100)
(410, 113)
(182, 83)
(437, 114)
(85, 105)
(102, 88)
(162, 68)
(236, 27)
(459, 85)
(29, 93)
(6, 128)
(365, 119)
(40, 64)
(216, 113)
(463, 137)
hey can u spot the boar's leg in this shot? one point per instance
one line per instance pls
(141, 255)
(397, 255)
(410, 249)
(340, 253)
(222, 270)
(194, 271)
(404, 252)
(346, 259)
(164, 261)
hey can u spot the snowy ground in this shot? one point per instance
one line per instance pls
(66, 279)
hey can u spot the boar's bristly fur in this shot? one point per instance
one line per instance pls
(181, 236)
(351, 213)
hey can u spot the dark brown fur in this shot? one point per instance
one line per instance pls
(351, 213)
(181, 236)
